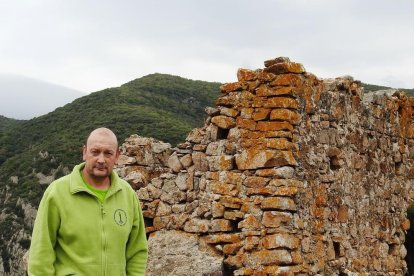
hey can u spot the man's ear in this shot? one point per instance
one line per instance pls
(118, 153)
(84, 150)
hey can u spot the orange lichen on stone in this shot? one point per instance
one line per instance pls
(266, 91)
(280, 240)
(246, 75)
(254, 158)
(261, 114)
(272, 126)
(288, 115)
(246, 123)
(223, 121)
(285, 67)
(230, 87)
(278, 203)
(277, 102)
(290, 175)
(276, 218)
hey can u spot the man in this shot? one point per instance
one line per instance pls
(90, 221)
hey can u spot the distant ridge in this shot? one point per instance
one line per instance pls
(24, 98)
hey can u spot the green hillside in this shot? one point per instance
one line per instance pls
(373, 87)
(6, 123)
(161, 106)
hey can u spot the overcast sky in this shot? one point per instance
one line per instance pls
(90, 45)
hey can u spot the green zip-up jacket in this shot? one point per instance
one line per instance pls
(75, 234)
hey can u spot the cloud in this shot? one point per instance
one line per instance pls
(90, 45)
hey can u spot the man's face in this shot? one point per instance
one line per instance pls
(100, 155)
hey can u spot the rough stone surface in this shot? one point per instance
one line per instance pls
(187, 257)
(290, 175)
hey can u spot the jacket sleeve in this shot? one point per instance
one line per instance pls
(42, 254)
(137, 248)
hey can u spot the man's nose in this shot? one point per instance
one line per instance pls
(101, 158)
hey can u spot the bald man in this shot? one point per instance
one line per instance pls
(90, 222)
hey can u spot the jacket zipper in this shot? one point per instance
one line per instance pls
(104, 255)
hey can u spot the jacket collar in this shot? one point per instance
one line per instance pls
(76, 184)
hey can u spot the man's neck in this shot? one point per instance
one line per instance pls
(98, 183)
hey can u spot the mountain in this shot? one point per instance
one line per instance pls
(24, 98)
(6, 123)
(35, 151)
(373, 87)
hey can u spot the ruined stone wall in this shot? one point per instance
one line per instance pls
(291, 175)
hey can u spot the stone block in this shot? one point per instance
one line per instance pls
(234, 261)
(223, 121)
(282, 172)
(195, 225)
(163, 209)
(255, 181)
(221, 188)
(270, 62)
(200, 161)
(180, 253)
(220, 225)
(222, 238)
(250, 243)
(186, 160)
(161, 222)
(195, 136)
(286, 183)
(230, 112)
(285, 67)
(220, 163)
(268, 257)
(232, 248)
(174, 163)
(293, 80)
(230, 177)
(198, 147)
(181, 181)
(254, 158)
(276, 218)
(280, 144)
(343, 214)
(274, 102)
(231, 202)
(217, 209)
(280, 240)
(230, 99)
(245, 123)
(273, 191)
(274, 126)
(251, 208)
(233, 215)
(261, 114)
(278, 203)
(126, 160)
(283, 114)
(246, 75)
(267, 91)
(249, 223)
(230, 87)
(246, 112)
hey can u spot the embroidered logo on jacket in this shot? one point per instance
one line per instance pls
(120, 217)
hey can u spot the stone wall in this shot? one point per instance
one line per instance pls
(290, 175)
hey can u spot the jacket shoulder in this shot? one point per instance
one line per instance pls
(58, 185)
(125, 185)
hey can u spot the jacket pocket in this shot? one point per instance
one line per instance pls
(116, 270)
